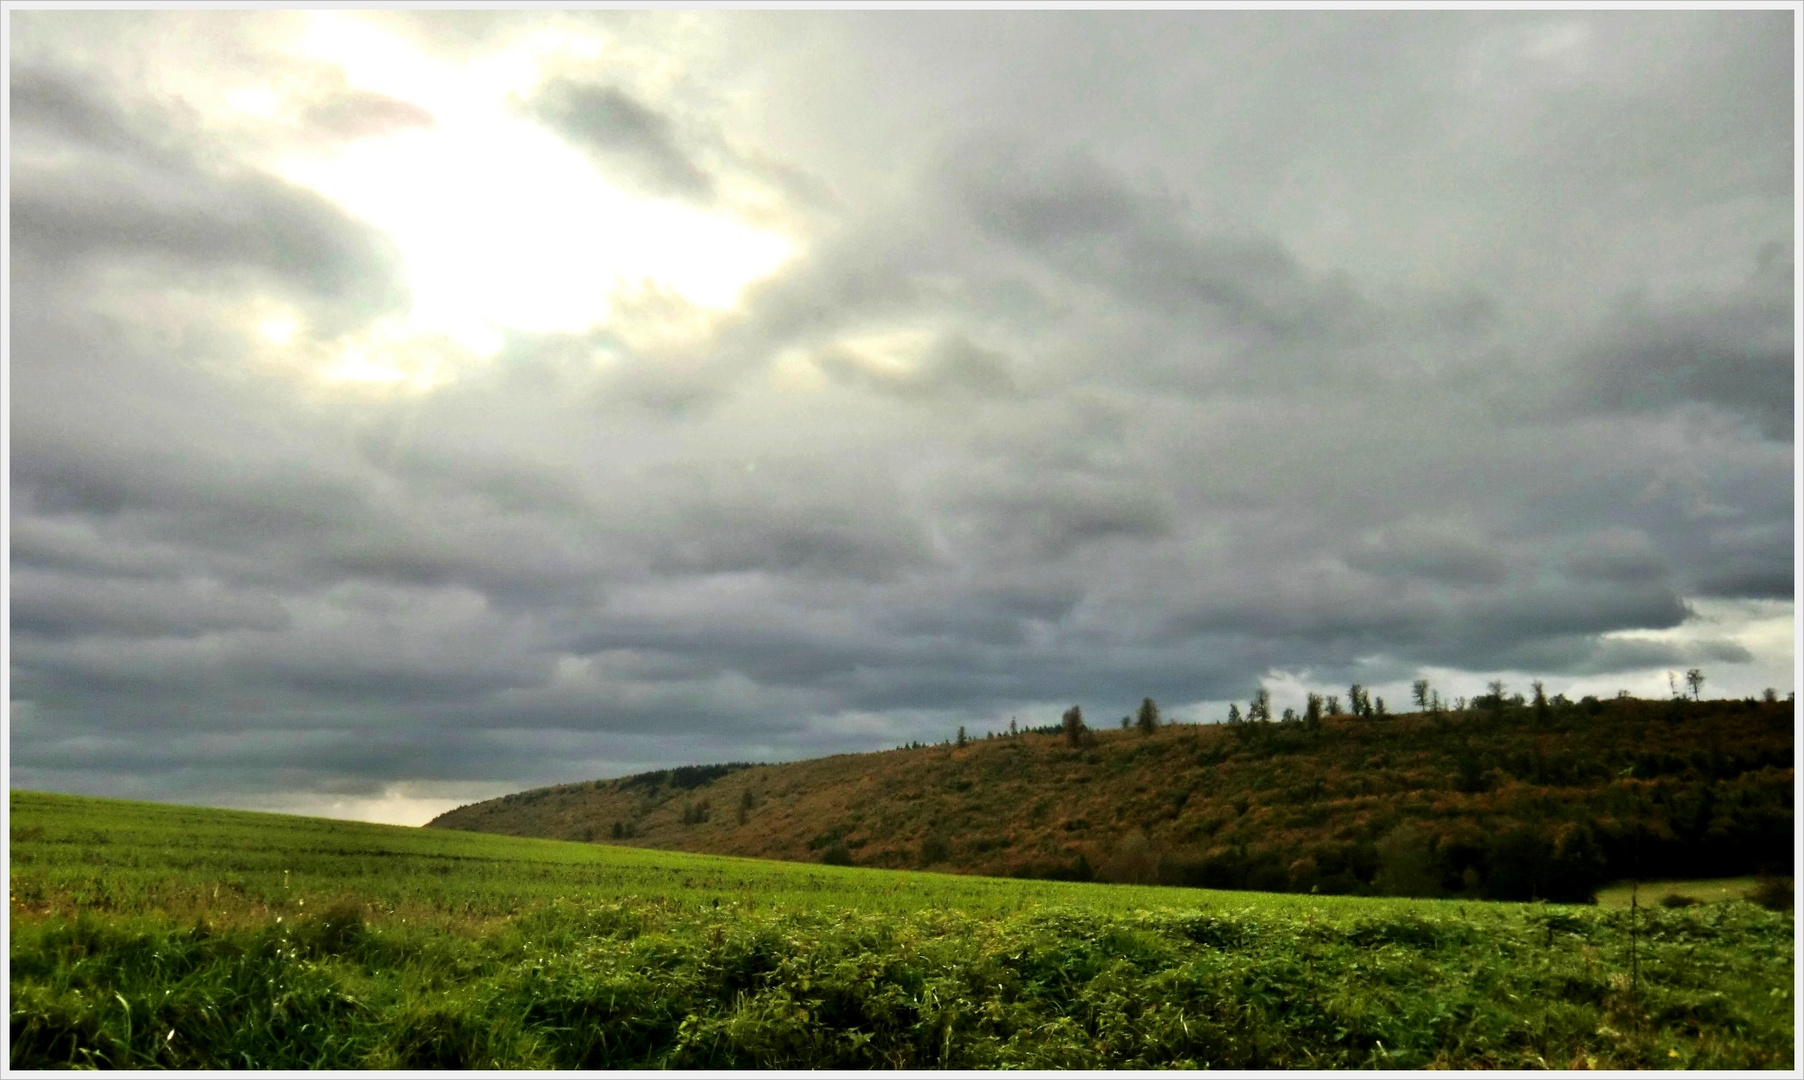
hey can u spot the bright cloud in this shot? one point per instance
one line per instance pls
(504, 227)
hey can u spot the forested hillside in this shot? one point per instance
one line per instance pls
(1505, 802)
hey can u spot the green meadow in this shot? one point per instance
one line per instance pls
(148, 936)
(1707, 891)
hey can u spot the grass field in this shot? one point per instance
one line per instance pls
(160, 936)
(1704, 892)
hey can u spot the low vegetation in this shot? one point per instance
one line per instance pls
(156, 936)
(1711, 890)
(1502, 799)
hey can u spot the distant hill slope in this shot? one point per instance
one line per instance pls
(1499, 803)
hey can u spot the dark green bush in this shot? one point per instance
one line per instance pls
(1774, 893)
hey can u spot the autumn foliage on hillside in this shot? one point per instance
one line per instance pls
(1506, 802)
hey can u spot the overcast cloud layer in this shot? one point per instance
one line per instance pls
(962, 367)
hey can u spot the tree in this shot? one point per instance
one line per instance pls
(1355, 695)
(1012, 729)
(961, 735)
(1496, 687)
(1148, 720)
(1419, 691)
(1380, 710)
(1333, 705)
(1695, 679)
(1233, 713)
(1769, 695)
(1312, 711)
(1260, 708)
(1073, 723)
(1540, 699)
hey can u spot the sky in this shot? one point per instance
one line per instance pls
(411, 407)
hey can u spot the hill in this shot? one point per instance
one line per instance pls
(1505, 802)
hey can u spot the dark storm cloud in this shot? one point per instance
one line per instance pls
(636, 142)
(1448, 555)
(1049, 515)
(1735, 352)
(50, 606)
(1617, 654)
(1751, 562)
(1618, 555)
(1092, 227)
(1154, 361)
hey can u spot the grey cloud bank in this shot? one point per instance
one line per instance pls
(1119, 355)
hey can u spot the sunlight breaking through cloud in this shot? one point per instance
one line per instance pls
(504, 227)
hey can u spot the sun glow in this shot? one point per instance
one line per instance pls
(280, 330)
(504, 227)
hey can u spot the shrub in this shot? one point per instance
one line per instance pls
(1774, 893)
(1132, 861)
(1408, 867)
(835, 835)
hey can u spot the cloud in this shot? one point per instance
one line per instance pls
(61, 103)
(356, 114)
(1619, 555)
(54, 606)
(94, 186)
(1614, 655)
(1448, 553)
(1235, 366)
(1734, 351)
(634, 142)
(1085, 221)
(951, 367)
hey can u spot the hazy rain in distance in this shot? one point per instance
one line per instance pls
(410, 407)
